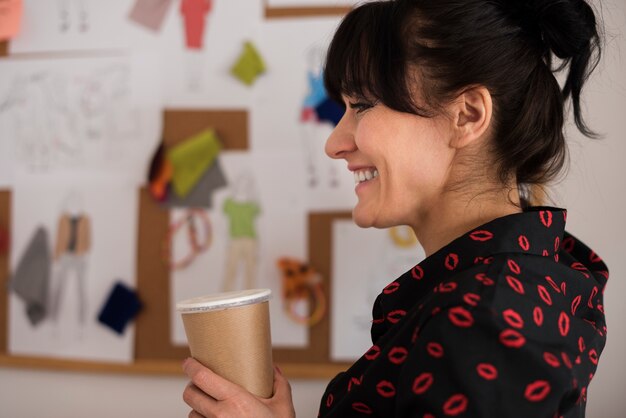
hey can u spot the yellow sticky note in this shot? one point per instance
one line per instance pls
(249, 65)
(10, 18)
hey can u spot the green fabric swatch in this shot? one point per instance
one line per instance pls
(191, 158)
(249, 65)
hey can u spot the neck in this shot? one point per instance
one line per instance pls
(455, 215)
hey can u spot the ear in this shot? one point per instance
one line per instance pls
(471, 114)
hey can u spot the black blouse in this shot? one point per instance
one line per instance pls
(505, 321)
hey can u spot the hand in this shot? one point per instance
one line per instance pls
(212, 396)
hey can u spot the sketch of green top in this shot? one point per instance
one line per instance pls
(241, 216)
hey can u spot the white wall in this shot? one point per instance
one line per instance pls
(594, 192)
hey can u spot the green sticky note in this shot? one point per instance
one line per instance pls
(191, 158)
(249, 65)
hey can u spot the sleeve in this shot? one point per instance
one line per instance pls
(468, 363)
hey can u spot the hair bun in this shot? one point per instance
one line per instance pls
(566, 27)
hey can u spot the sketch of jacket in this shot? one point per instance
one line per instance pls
(73, 235)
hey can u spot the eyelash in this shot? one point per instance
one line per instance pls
(361, 107)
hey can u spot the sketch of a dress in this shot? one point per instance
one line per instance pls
(73, 242)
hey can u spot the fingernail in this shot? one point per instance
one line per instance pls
(280, 372)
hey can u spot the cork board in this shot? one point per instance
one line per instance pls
(153, 351)
(291, 12)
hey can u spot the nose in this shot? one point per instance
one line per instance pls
(341, 141)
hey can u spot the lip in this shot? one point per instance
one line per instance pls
(360, 167)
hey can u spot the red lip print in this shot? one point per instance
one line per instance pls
(545, 253)
(378, 320)
(481, 235)
(515, 284)
(455, 405)
(512, 338)
(566, 360)
(594, 258)
(543, 293)
(513, 266)
(385, 389)
(354, 381)
(563, 324)
(422, 383)
(575, 304)
(538, 316)
(553, 284)
(329, 400)
(478, 259)
(581, 344)
(460, 317)
(568, 244)
(471, 299)
(481, 277)
(551, 359)
(362, 408)
(487, 371)
(593, 356)
(513, 318)
(537, 391)
(594, 292)
(417, 272)
(415, 334)
(557, 244)
(563, 287)
(397, 355)
(452, 260)
(391, 287)
(447, 287)
(546, 217)
(522, 240)
(372, 353)
(395, 316)
(435, 349)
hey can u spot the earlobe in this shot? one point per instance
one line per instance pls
(472, 115)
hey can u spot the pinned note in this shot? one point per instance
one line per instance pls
(249, 65)
(10, 18)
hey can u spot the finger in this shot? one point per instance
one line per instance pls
(209, 382)
(199, 401)
(282, 388)
(194, 414)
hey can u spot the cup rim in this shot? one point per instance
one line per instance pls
(219, 301)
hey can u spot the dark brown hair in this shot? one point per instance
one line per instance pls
(512, 47)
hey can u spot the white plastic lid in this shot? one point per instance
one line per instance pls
(224, 300)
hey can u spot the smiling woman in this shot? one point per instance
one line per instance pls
(452, 111)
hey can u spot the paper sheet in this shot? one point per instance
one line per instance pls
(79, 281)
(150, 13)
(82, 114)
(281, 229)
(364, 262)
(10, 18)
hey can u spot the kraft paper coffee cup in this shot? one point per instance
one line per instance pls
(230, 334)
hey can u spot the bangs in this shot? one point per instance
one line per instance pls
(366, 58)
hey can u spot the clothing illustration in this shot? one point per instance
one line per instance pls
(72, 246)
(150, 13)
(194, 15)
(30, 281)
(505, 321)
(243, 246)
(317, 110)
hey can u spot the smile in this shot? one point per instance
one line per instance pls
(361, 176)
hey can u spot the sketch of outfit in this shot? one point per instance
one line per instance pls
(194, 14)
(30, 281)
(314, 114)
(72, 247)
(243, 246)
(64, 14)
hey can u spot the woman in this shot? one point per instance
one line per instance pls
(452, 112)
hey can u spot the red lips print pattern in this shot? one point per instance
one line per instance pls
(514, 288)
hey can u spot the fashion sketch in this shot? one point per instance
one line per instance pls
(241, 208)
(73, 243)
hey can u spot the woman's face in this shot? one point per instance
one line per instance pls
(401, 160)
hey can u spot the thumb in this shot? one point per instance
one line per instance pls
(282, 388)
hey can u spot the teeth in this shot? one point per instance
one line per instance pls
(364, 175)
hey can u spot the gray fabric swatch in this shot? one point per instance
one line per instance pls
(201, 195)
(31, 279)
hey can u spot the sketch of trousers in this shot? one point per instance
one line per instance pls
(241, 250)
(68, 265)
